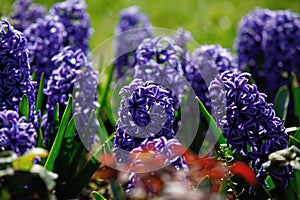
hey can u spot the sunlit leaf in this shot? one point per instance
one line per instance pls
(54, 152)
(24, 106)
(212, 124)
(39, 99)
(98, 196)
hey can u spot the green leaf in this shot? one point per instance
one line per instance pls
(98, 196)
(54, 152)
(62, 164)
(106, 89)
(24, 106)
(281, 102)
(39, 100)
(117, 190)
(270, 183)
(79, 180)
(56, 113)
(40, 138)
(33, 76)
(295, 139)
(296, 95)
(212, 124)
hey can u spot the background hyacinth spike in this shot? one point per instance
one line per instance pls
(203, 65)
(249, 39)
(146, 112)
(268, 44)
(131, 30)
(15, 78)
(72, 68)
(45, 39)
(15, 133)
(26, 13)
(72, 14)
(281, 49)
(159, 60)
(249, 124)
(182, 37)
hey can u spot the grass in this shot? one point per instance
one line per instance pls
(209, 21)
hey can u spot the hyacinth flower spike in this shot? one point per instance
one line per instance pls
(249, 123)
(131, 30)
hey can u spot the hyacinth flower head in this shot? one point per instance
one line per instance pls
(203, 65)
(45, 39)
(26, 13)
(181, 37)
(131, 30)
(281, 49)
(159, 60)
(72, 67)
(15, 79)
(249, 39)
(72, 14)
(15, 133)
(146, 112)
(249, 123)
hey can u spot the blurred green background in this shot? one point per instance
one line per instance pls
(209, 21)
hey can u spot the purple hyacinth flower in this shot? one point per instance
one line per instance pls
(248, 122)
(15, 79)
(146, 112)
(159, 60)
(26, 13)
(281, 49)
(131, 30)
(249, 39)
(203, 65)
(181, 37)
(72, 68)
(15, 133)
(72, 14)
(45, 38)
(161, 50)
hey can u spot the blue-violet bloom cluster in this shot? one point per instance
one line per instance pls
(268, 43)
(72, 67)
(203, 65)
(15, 133)
(131, 30)
(72, 14)
(249, 123)
(15, 78)
(26, 13)
(146, 112)
(45, 39)
(159, 60)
